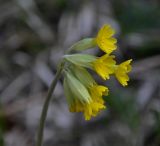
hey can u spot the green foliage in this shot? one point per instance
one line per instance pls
(124, 109)
(135, 15)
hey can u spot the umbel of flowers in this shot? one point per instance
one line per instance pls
(81, 90)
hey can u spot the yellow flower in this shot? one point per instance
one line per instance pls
(104, 39)
(93, 107)
(82, 92)
(105, 65)
(121, 72)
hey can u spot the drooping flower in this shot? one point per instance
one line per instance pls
(82, 92)
(104, 39)
(92, 108)
(94, 103)
(105, 65)
(121, 72)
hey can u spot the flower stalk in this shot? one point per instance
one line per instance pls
(46, 104)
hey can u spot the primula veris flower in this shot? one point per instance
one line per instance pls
(105, 65)
(93, 107)
(95, 103)
(82, 92)
(104, 39)
(121, 72)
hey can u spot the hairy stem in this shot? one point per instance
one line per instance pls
(46, 104)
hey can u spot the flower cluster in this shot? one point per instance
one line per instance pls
(82, 92)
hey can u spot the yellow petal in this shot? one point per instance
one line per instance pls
(106, 31)
(98, 91)
(121, 72)
(92, 108)
(104, 66)
(105, 40)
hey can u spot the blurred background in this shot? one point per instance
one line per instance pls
(33, 37)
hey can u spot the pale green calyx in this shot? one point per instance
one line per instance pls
(76, 88)
(83, 75)
(68, 93)
(84, 44)
(83, 60)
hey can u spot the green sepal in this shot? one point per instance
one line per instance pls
(84, 44)
(68, 93)
(83, 75)
(78, 90)
(83, 60)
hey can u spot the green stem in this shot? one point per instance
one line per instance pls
(46, 104)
